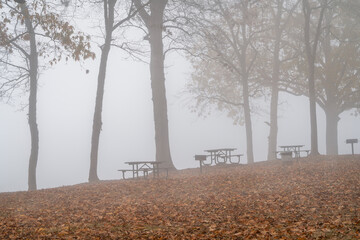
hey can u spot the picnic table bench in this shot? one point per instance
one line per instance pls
(135, 172)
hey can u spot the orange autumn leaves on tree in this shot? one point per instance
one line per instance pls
(56, 37)
(306, 199)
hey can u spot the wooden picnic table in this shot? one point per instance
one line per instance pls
(143, 166)
(296, 149)
(218, 156)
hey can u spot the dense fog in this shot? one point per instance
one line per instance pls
(65, 110)
(241, 52)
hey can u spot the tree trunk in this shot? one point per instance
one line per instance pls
(158, 85)
(248, 124)
(245, 84)
(330, 85)
(34, 132)
(311, 56)
(313, 118)
(247, 111)
(311, 83)
(274, 87)
(154, 24)
(273, 121)
(97, 122)
(332, 120)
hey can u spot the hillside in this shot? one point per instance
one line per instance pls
(305, 199)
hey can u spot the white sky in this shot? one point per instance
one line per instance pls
(65, 112)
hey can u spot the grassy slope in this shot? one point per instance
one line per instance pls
(306, 199)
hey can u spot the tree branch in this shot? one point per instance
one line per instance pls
(142, 12)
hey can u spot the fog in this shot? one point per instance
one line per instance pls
(66, 102)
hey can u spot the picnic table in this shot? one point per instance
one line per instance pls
(218, 156)
(289, 149)
(144, 167)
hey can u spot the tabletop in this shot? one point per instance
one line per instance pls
(220, 149)
(292, 148)
(142, 162)
(288, 146)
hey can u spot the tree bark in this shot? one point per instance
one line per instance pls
(311, 56)
(330, 85)
(34, 132)
(332, 120)
(154, 24)
(245, 84)
(273, 121)
(97, 122)
(246, 98)
(248, 123)
(311, 84)
(158, 89)
(313, 118)
(274, 86)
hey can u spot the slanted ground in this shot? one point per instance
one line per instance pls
(312, 198)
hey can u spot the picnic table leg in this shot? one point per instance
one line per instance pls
(157, 170)
(297, 152)
(135, 171)
(145, 173)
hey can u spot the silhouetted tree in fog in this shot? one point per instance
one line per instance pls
(280, 51)
(28, 31)
(153, 17)
(226, 33)
(338, 67)
(336, 62)
(311, 46)
(110, 26)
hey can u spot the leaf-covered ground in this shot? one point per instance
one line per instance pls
(305, 199)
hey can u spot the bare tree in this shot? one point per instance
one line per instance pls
(153, 18)
(338, 70)
(281, 51)
(227, 32)
(22, 42)
(33, 70)
(311, 53)
(110, 26)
